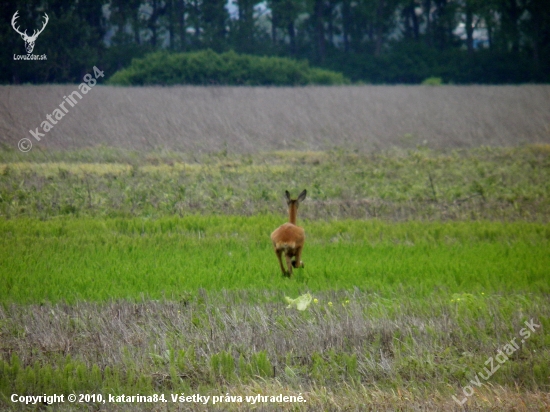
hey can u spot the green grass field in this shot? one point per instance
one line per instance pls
(169, 257)
(126, 273)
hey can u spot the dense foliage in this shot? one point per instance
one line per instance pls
(209, 68)
(397, 41)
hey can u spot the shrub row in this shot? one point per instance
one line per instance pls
(209, 68)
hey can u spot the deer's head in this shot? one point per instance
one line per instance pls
(29, 40)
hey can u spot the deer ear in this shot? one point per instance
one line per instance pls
(287, 194)
(302, 195)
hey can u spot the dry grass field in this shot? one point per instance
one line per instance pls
(247, 120)
(368, 355)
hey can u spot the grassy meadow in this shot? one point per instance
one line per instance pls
(135, 270)
(169, 258)
(484, 183)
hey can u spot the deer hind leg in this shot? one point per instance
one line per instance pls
(289, 264)
(298, 259)
(279, 252)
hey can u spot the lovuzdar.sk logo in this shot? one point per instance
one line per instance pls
(29, 40)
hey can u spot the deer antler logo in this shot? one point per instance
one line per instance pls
(29, 40)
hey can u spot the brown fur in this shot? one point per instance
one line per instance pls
(290, 238)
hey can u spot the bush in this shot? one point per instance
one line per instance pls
(432, 81)
(210, 68)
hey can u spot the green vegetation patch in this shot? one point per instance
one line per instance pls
(210, 68)
(421, 184)
(70, 260)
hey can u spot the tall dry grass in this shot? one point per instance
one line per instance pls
(246, 119)
(408, 354)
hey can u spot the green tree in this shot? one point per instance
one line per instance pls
(284, 15)
(369, 40)
(214, 22)
(536, 28)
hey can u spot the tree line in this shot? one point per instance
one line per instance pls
(373, 41)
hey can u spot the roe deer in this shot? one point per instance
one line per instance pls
(289, 238)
